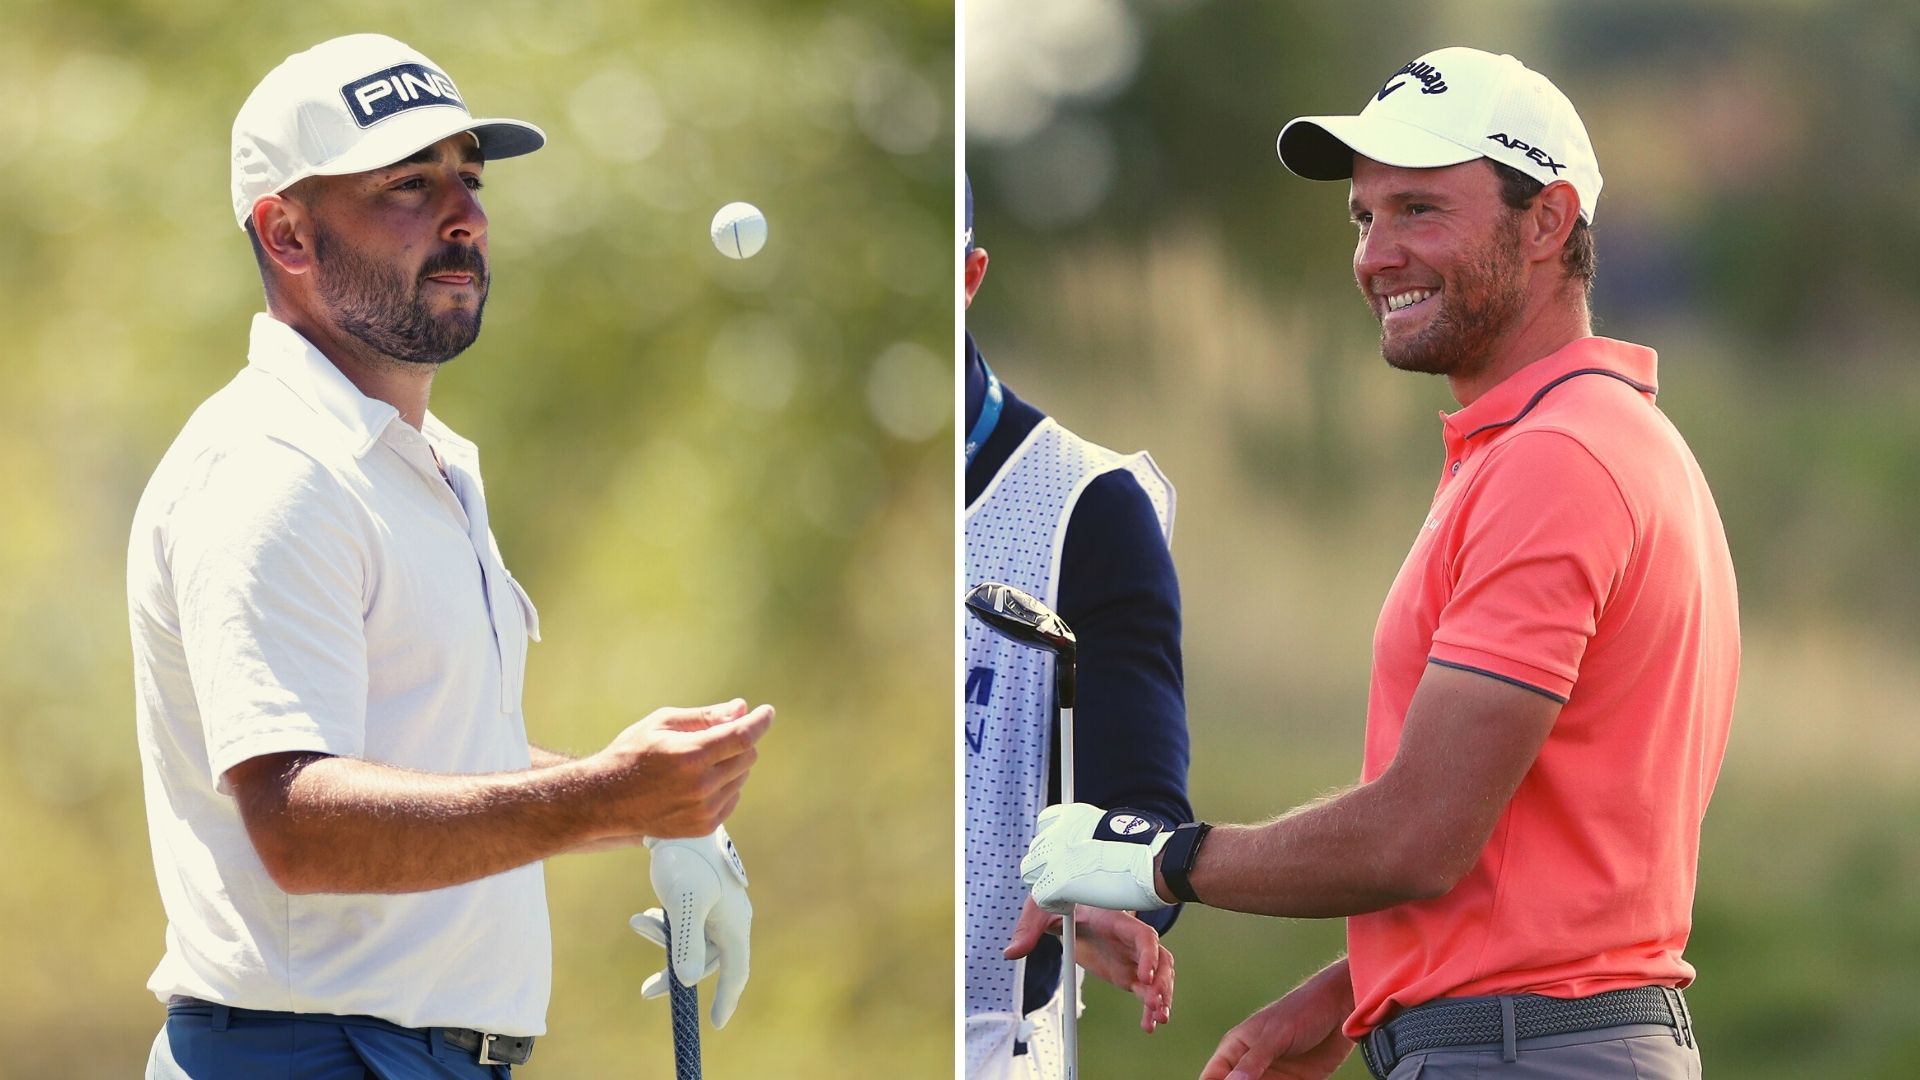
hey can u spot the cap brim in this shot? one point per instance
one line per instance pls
(1322, 147)
(507, 138)
(498, 139)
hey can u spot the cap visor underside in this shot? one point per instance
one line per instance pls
(498, 139)
(1322, 147)
(507, 138)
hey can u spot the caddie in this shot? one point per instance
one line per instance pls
(1553, 669)
(1087, 529)
(347, 818)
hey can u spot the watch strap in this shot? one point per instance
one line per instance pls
(1177, 859)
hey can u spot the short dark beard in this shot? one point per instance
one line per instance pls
(375, 303)
(1481, 302)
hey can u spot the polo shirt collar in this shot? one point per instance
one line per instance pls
(280, 351)
(1512, 398)
(452, 446)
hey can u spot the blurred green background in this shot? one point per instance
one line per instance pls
(1159, 280)
(714, 477)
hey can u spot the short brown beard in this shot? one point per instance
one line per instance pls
(375, 303)
(1484, 298)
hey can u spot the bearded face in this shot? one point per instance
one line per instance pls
(424, 317)
(1478, 299)
(1439, 261)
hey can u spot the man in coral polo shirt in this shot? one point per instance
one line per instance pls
(1554, 666)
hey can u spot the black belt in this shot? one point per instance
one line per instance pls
(490, 1049)
(1505, 1020)
(486, 1047)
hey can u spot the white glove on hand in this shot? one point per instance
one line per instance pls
(1102, 858)
(703, 885)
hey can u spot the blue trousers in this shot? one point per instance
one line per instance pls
(212, 1042)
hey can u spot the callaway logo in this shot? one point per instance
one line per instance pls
(1538, 155)
(397, 89)
(1429, 77)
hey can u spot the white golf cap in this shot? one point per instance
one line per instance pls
(348, 105)
(1449, 106)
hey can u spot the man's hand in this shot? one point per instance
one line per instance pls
(1115, 946)
(1295, 1038)
(1082, 854)
(703, 885)
(678, 772)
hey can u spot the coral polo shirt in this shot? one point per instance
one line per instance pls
(1572, 549)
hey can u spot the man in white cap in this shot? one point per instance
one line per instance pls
(347, 819)
(1554, 666)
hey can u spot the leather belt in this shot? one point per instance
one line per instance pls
(1505, 1020)
(486, 1047)
(490, 1049)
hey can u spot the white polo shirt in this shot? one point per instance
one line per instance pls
(302, 577)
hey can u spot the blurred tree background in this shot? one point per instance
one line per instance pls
(1159, 280)
(714, 477)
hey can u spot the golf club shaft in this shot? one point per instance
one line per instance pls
(1021, 618)
(1069, 970)
(686, 1020)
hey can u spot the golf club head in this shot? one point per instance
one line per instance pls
(1019, 617)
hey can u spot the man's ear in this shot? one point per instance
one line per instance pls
(285, 229)
(976, 272)
(1548, 223)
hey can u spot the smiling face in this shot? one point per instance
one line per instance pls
(400, 253)
(1439, 260)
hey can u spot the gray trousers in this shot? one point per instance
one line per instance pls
(1629, 1052)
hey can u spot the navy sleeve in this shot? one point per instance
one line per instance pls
(1119, 593)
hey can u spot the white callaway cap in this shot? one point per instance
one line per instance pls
(1449, 106)
(348, 105)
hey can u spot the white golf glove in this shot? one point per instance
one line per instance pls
(1102, 858)
(703, 885)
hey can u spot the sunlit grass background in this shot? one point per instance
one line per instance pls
(714, 477)
(1159, 281)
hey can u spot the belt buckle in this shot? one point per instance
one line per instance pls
(485, 1056)
(1377, 1050)
(1682, 1020)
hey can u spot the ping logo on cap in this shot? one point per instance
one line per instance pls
(397, 89)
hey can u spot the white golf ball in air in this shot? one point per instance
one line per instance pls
(739, 230)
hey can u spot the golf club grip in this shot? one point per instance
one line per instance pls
(686, 1020)
(1070, 975)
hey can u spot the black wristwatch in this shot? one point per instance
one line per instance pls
(1177, 858)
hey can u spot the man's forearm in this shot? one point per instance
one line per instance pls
(544, 758)
(341, 825)
(1410, 834)
(1342, 855)
(1332, 987)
